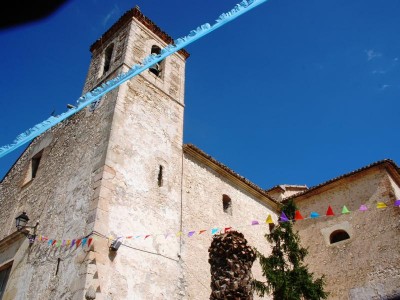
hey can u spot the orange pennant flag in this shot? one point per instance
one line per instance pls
(202, 231)
(78, 243)
(298, 216)
(329, 212)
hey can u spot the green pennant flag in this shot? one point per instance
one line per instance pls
(345, 210)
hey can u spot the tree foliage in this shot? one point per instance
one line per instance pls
(287, 276)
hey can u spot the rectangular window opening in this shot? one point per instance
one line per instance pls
(4, 274)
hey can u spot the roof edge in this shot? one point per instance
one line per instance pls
(393, 170)
(230, 174)
(138, 15)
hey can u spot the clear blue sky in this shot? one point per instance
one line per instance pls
(293, 92)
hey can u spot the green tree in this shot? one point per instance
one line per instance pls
(287, 276)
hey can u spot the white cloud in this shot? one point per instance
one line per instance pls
(114, 11)
(385, 86)
(371, 54)
(379, 72)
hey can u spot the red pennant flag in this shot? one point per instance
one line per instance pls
(329, 212)
(202, 231)
(54, 242)
(227, 229)
(78, 243)
(129, 237)
(146, 236)
(298, 216)
(89, 242)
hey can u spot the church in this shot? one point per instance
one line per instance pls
(110, 204)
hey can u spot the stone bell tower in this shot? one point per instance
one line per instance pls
(139, 191)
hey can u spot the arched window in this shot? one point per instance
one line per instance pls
(227, 204)
(157, 68)
(338, 236)
(107, 58)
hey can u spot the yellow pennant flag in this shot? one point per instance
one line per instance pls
(179, 233)
(381, 205)
(269, 220)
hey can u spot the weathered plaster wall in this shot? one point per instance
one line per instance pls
(202, 209)
(146, 133)
(366, 265)
(60, 198)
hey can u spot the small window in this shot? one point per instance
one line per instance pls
(338, 236)
(227, 204)
(107, 58)
(157, 68)
(33, 167)
(35, 163)
(4, 274)
(160, 176)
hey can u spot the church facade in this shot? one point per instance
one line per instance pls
(118, 178)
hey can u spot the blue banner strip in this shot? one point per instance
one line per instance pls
(97, 93)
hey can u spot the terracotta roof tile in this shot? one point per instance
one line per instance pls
(230, 171)
(138, 15)
(311, 189)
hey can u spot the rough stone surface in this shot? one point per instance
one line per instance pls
(366, 266)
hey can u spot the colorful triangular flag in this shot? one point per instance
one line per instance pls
(50, 242)
(345, 210)
(255, 222)
(89, 242)
(214, 231)
(146, 236)
(381, 205)
(329, 212)
(78, 243)
(179, 233)
(284, 218)
(73, 243)
(202, 231)
(227, 229)
(58, 244)
(397, 203)
(269, 220)
(298, 216)
(191, 233)
(363, 207)
(84, 241)
(54, 242)
(314, 215)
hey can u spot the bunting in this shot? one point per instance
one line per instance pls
(345, 210)
(88, 241)
(329, 212)
(283, 218)
(298, 216)
(94, 95)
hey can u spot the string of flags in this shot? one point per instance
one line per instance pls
(90, 97)
(88, 240)
(68, 244)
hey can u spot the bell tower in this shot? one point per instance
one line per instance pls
(139, 194)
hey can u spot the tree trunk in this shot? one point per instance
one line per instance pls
(231, 260)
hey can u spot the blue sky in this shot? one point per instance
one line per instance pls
(294, 92)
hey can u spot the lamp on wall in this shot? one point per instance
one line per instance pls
(20, 223)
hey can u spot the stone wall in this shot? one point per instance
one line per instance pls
(146, 136)
(203, 189)
(60, 198)
(366, 265)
